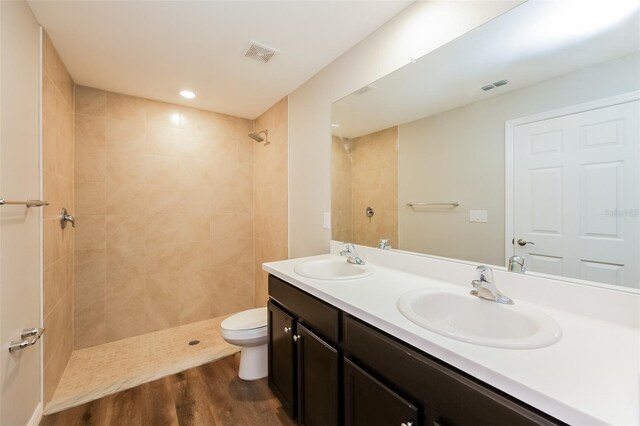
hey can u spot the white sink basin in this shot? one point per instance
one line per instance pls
(457, 314)
(332, 269)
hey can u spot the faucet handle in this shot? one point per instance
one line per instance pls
(485, 273)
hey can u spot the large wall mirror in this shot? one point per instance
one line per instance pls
(519, 138)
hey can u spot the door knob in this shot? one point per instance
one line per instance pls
(296, 337)
(287, 329)
(523, 243)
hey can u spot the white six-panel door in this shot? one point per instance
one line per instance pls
(576, 195)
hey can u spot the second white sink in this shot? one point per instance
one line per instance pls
(332, 269)
(457, 314)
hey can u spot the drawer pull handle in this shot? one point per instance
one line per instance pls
(296, 337)
(287, 330)
(409, 423)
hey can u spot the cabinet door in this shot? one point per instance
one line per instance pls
(318, 391)
(367, 402)
(282, 358)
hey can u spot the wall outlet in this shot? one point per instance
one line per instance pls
(326, 220)
(478, 216)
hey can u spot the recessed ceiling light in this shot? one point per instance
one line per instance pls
(187, 94)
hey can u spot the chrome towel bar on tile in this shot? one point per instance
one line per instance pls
(452, 204)
(28, 203)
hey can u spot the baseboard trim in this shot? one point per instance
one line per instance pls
(36, 416)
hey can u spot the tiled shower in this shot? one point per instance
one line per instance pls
(175, 208)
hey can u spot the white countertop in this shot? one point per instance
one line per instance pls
(591, 376)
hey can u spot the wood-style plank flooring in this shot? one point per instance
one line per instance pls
(211, 394)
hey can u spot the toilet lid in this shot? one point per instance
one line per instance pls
(246, 320)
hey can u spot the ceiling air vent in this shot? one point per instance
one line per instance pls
(259, 52)
(494, 85)
(364, 89)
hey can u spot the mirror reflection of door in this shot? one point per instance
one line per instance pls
(576, 186)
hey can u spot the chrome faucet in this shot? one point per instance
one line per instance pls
(352, 254)
(516, 264)
(384, 244)
(485, 288)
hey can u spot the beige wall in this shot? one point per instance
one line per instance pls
(365, 174)
(20, 178)
(469, 159)
(419, 29)
(270, 194)
(57, 181)
(164, 202)
(341, 201)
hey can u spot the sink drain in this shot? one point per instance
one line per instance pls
(194, 342)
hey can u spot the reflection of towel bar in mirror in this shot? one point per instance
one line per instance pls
(452, 204)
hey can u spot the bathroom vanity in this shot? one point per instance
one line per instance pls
(328, 368)
(341, 351)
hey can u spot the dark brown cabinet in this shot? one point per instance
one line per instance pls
(368, 402)
(317, 380)
(329, 368)
(282, 377)
(304, 360)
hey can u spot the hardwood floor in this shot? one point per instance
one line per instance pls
(211, 394)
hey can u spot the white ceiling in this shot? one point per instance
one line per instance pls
(154, 49)
(534, 42)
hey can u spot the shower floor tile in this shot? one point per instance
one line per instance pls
(105, 369)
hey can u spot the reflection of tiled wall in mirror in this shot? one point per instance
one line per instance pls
(365, 174)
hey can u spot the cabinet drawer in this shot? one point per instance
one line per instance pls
(367, 402)
(450, 397)
(321, 317)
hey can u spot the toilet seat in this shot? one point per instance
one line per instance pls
(245, 321)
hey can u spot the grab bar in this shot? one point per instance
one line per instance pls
(28, 203)
(452, 204)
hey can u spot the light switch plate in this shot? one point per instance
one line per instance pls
(326, 220)
(478, 216)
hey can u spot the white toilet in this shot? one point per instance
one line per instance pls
(249, 330)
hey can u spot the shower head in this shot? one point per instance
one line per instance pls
(256, 136)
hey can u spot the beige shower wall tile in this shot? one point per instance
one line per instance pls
(159, 199)
(194, 228)
(59, 325)
(90, 232)
(124, 314)
(125, 167)
(90, 198)
(124, 263)
(57, 280)
(89, 134)
(90, 267)
(49, 149)
(89, 101)
(89, 314)
(162, 229)
(90, 164)
(164, 140)
(161, 306)
(125, 136)
(195, 295)
(125, 231)
(127, 198)
(225, 225)
(162, 170)
(162, 257)
(160, 114)
(196, 173)
(123, 107)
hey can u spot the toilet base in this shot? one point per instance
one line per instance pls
(253, 362)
